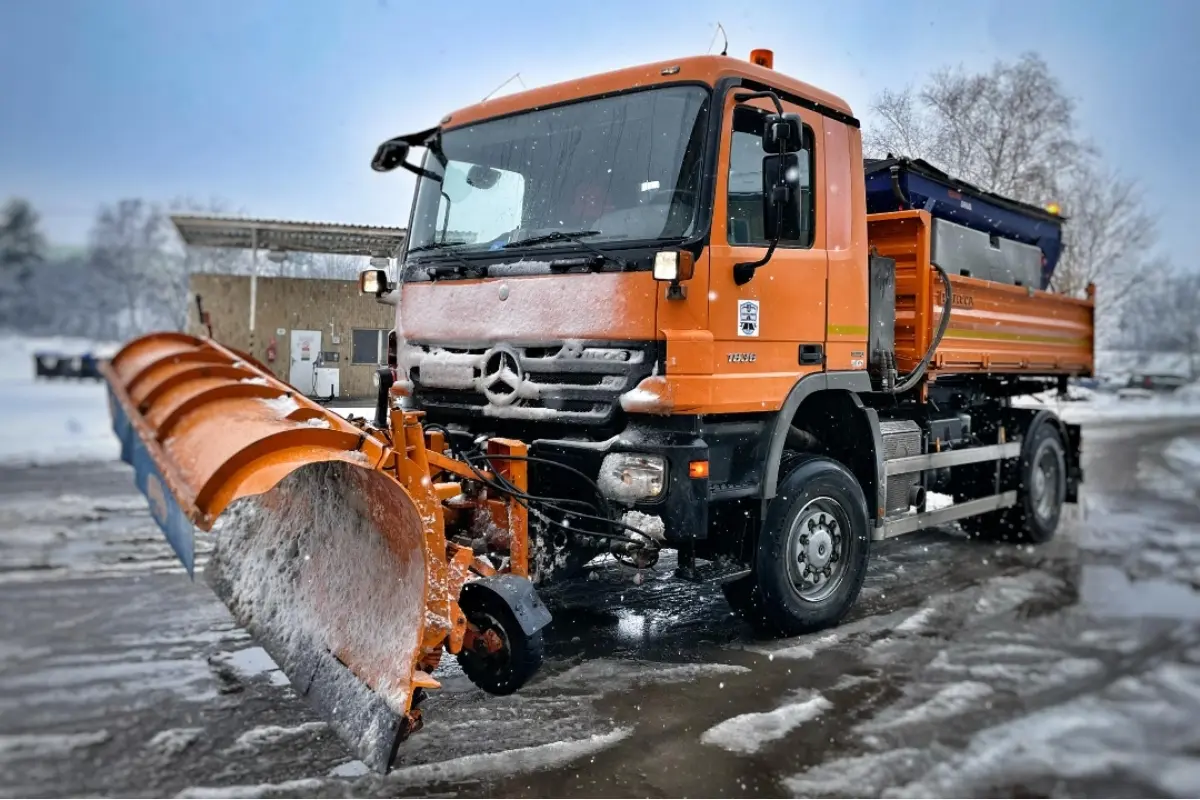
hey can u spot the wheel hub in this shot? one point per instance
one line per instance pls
(819, 549)
(817, 542)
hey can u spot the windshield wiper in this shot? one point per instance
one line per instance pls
(552, 236)
(571, 236)
(446, 269)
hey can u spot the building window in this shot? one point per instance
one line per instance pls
(367, 346)
(745, 195)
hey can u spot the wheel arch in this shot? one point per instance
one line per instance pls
(858, 446)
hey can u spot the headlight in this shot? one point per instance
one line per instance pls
(632, 477)
(674, 265)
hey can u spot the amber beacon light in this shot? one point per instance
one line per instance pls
(763, 57)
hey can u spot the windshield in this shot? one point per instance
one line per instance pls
(619, 168)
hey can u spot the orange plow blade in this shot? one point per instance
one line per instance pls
(320, 551)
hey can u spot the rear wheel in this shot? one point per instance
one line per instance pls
(501, 657)
(812, 552)
(1041, 485)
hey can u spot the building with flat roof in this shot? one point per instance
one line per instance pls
(318, 334)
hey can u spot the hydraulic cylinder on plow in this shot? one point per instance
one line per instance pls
(355, 555)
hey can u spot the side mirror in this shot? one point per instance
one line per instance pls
(784, 214)
(782, 133)
(390, 155)
(373, 282)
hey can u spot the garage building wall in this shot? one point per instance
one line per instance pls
(333, 307)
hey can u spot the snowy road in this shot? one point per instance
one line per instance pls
(966, 669)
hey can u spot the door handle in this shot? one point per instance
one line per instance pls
(812, 354)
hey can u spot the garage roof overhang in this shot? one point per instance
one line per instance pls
(284, 236)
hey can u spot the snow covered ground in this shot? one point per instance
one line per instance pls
(50, 421)
(966, 669)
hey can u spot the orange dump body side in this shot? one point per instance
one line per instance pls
(994, 327)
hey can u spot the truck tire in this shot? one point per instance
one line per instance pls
(812, 552)
(1041, 484)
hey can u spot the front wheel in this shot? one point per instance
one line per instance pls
(499, 656)
(812, 552)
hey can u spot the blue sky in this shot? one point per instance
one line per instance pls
(275, 106)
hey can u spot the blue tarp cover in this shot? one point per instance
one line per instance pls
(924, 186)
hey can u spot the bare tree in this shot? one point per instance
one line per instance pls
(1012, 131)
(1109, 237)
(1009, 131)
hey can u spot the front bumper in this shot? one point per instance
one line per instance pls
(683, 503)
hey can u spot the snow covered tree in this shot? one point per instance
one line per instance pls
(22, 247)
(131, 251)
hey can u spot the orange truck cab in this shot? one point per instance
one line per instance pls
(666, 280)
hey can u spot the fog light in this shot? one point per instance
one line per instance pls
(632, 477)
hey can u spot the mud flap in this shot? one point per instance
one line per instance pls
(518, 594)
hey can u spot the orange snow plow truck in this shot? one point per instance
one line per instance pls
(663, 308)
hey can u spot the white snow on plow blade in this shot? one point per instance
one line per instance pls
(747, 733)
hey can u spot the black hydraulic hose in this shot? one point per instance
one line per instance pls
(894, 171)
(911, 379)
(525, 499)
(553, 502)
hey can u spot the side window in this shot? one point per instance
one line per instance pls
(745, 200)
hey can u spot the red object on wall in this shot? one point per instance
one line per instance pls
(271, 349)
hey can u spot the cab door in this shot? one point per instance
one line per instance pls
(770, 330)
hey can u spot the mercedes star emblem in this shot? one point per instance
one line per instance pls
(502, 377)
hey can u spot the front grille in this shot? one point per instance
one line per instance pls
(568, 381)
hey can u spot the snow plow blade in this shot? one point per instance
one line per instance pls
(320, 550)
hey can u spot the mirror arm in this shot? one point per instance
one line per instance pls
(743, 272)
(767, 95)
